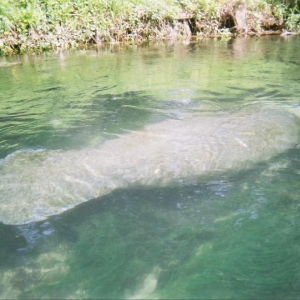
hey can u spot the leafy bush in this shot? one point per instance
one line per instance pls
(38, 25)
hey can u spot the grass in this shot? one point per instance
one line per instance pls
(40, 25)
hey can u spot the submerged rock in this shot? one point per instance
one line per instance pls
(39, 183)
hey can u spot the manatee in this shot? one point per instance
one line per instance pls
(36, 184)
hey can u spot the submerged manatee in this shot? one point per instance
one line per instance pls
(39, 183)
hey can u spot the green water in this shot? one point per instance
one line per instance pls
(235, 236)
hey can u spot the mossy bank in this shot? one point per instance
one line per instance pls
(40, 25)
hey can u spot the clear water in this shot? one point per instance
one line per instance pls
(235, 236)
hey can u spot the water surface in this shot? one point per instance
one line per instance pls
(231, 236)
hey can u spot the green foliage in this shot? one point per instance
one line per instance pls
(38, 25)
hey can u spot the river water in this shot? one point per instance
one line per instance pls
(232, 235)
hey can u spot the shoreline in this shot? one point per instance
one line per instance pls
(36, 26)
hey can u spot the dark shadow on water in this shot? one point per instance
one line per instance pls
(11, 241)
(118, 238)
(127, 203)
(134, 202)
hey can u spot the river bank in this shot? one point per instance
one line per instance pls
(41, 25)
